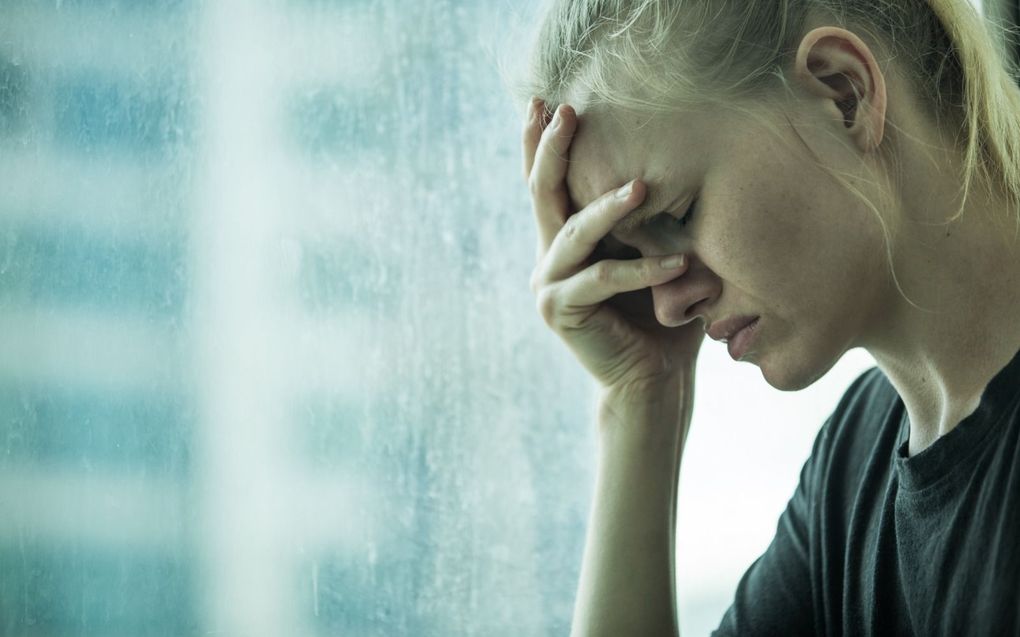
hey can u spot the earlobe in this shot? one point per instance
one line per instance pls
(834, 64)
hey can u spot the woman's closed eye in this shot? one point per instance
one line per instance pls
(671, 220)
(690, 213)
(664, 222)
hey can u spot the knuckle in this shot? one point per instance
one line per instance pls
(602, 272)
(572, 228)
(534, 184)
(535, 281)
(547, 304)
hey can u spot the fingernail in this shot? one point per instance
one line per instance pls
(533, 108)
(557, 118)
(672, 263)
(625, 191)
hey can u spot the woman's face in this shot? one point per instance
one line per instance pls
(770, 235)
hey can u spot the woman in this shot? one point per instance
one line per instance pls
(804, 177)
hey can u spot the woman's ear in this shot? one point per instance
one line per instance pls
(836, 66)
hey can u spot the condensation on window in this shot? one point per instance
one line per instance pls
(269, 363)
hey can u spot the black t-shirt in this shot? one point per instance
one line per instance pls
(877, 543)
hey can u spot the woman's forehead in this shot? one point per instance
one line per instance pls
(609, 150)
(603, 155)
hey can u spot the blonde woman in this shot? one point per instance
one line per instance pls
(796, 178)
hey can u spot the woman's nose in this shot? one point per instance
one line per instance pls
(686, 297)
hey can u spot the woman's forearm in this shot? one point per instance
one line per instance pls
(627, 582)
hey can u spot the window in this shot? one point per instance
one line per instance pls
(268, 358)
(269, 362)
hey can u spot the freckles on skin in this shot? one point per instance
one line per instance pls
(750, 228)
(801, 242)
(765, 235)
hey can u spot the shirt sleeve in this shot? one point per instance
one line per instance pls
(774, 595)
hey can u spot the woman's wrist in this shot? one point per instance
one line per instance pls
(657, 410)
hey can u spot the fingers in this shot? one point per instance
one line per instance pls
(546, 181)
(580, 235)
(566, 242)
(569, 302)
(532, 133)
(536, 121)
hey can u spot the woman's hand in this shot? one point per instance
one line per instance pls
(602, 308)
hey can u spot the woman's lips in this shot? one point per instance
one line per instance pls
(741, 342)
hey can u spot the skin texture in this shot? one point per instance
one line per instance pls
(763, 211)
(774, 236)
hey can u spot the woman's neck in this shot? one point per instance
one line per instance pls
(962, 323)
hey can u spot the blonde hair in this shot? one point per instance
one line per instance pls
(655, 56)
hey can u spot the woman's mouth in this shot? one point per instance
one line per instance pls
(741, 342)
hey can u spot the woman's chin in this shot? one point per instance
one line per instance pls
(789, 373)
